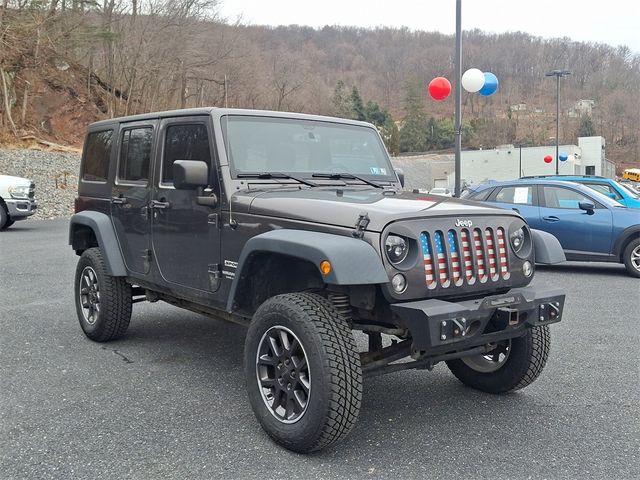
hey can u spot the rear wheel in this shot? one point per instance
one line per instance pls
(302, 371)
(514, 364)
(103, 302)
(631, 257)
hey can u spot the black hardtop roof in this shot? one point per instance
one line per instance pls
(220, 112)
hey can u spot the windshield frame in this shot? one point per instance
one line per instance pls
(388, 179)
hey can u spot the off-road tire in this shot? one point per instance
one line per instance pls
(526, 360)
(7, 224)
(632, 249)
(115, 300)
(334, 371)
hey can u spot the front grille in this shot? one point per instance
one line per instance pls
(484, 256)
(32, 190)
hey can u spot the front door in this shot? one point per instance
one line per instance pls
(577, 230)
(185, 234)
(131, 193)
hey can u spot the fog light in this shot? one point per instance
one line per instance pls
(399, 283)
(527, 268)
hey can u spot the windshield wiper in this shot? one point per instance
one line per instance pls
(268, 175)
(349, 176)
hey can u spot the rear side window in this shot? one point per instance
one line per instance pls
(97, 154)
(184, 142)
(518, 195)
(135, 155)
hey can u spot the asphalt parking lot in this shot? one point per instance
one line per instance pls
(168, 400)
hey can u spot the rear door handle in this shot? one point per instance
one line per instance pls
(119, 200)
(160, 205)
(551, 218)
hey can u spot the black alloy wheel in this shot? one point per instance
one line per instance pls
(282, 370)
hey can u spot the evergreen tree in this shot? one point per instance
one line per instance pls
(586, 128)
(357, 106)
(413, 134)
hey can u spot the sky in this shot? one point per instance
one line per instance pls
(614, 22)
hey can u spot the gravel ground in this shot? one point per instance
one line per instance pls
(55, 175)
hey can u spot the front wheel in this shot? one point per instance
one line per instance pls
(302, 372)
(631, 257)
(512, 365)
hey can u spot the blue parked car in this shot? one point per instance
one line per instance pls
(589, 225)
(625, 195)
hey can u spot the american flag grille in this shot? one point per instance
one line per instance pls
(468, 255)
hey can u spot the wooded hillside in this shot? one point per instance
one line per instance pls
(65, 63)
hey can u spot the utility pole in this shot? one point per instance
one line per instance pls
(557, 74)
(458, 99)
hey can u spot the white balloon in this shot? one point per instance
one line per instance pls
(472, 80)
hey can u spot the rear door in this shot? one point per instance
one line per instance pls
(186, 235)
(131, 193)
(521, 198)
(577, 230)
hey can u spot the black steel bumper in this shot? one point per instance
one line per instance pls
(438, 326)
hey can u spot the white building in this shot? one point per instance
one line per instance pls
(506, 162)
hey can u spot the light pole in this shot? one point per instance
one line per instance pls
(557, 74)
(458, 99)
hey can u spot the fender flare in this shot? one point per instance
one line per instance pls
(106, 237)
(547, 248)
(625, 236)
(353, 261)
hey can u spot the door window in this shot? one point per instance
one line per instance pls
(135, 155)
(557, 197)
(184, 142)
(522, 195)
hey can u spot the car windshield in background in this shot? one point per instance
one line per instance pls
(632, 192)
(304, 147)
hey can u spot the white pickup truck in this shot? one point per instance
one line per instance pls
(17, 200)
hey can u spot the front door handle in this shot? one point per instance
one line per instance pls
(160, 204)
(119, 200)
(551, 218)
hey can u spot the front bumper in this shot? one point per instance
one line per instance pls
(438, 326)
(19, 209)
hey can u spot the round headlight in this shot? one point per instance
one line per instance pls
(396, 248)
(517, 240)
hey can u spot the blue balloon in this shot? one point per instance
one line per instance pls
(563, 157)
(490, 84)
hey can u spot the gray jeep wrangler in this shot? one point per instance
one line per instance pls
(297, 227)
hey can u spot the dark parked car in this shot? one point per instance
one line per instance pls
(297, 227)
(590, 225)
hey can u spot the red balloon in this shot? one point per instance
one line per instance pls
(439, 88)
(548, 159)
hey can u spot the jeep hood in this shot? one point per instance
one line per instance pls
(342, 206)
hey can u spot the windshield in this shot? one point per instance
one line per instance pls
(629, 190)
(303, 147)
(602, 198)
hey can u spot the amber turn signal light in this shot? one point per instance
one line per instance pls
(325, 267)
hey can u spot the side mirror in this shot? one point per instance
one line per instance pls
(589, 207)
(190, 174)
(400, 175)
(611, 195)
